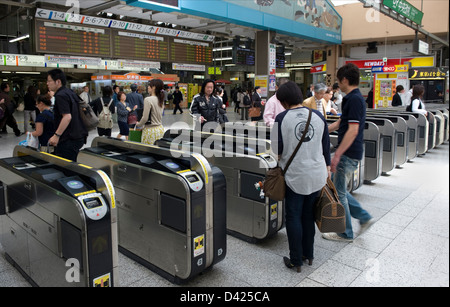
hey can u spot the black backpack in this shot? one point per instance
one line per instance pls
(409, 107)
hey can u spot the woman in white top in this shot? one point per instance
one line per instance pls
(329, 105)
(417, 104)
(152, 115)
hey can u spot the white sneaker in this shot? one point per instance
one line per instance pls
(366, 225)
(335, 237)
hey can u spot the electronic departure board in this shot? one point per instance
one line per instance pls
(140, 47)
(68, 39)
(281, 60)
(91, 41)
(185, 51)
(245, 57)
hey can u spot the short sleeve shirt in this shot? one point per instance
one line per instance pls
(47, 119)
(353, 112)
(66, 103)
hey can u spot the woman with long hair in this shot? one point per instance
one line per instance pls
(417, 104)
(152, 115)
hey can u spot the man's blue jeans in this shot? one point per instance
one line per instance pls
(300, 225)
(341, 178)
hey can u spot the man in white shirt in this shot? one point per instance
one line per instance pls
(406, 97)
(85, 95)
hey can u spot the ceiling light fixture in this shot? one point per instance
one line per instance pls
(19, 38)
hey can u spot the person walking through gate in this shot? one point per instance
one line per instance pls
(349, 152)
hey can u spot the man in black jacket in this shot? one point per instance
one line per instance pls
(397, 100)
(8, 107)
(177, 99)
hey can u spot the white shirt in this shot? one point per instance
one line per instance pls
(415, 107)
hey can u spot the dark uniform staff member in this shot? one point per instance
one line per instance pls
(206, 105)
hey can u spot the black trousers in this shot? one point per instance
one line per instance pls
(69, 149)
(177, 107)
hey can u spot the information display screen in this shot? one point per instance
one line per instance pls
(68, 39)
(281, 61)
(140, 47)
(91, 41)
(245, 57)
(190, 52)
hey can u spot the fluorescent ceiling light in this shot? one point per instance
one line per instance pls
(223, 49)
(28, 72)
(19, 38)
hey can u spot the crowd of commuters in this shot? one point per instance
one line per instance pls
(54, 118)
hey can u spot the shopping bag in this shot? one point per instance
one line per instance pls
(135, 135)
(32, 141)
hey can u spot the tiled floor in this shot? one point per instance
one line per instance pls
(408, 245)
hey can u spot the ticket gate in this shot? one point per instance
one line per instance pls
(402, 132)
(431, 130)
(440, 126)
(244, 161)
(373, 152)
(171, 211)
(389, 139)
(423, 127)
(58, 220)
(413, 132)
(445, 114)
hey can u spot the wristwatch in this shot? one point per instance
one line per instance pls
(58, 135)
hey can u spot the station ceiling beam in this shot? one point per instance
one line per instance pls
(16, 3)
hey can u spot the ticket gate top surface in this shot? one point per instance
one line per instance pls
(219, 145)
(75, 202)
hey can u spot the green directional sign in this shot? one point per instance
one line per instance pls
(405, 9)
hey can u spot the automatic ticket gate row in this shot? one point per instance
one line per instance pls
(244, 161)
(171, 205)
(409, 141)
(426, 127)
(401, 135)
(58, 220)
(263, 132)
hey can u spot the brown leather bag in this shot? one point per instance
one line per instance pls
(254, 111)
(329, 212)
(274, 185)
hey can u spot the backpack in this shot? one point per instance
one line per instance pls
(105, 117)
(87, 115)
(409, 107)
(247, 100)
